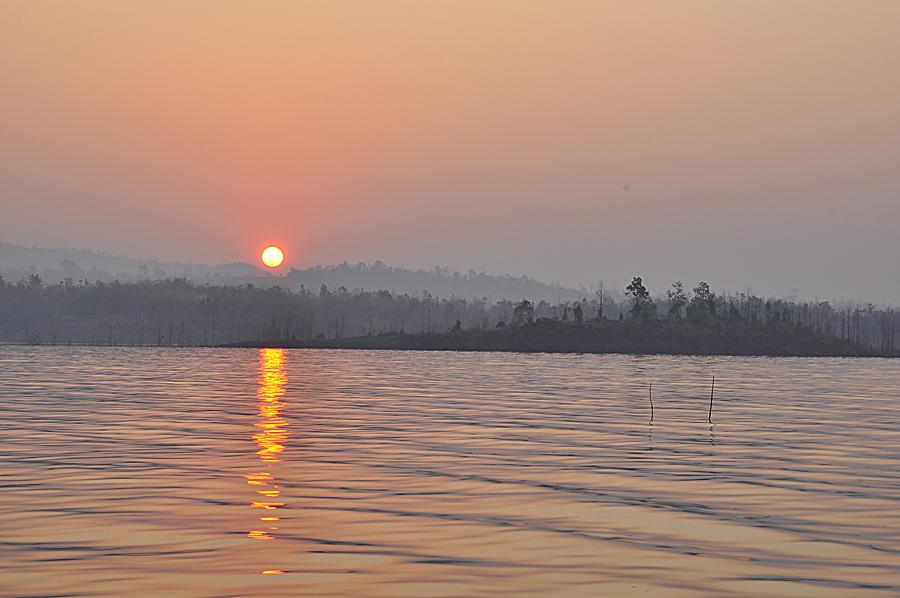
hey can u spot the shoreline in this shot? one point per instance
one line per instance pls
(321, 347)
(595, 338)
(602, 338)
(301, 346)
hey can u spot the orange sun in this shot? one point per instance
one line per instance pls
(272, 256)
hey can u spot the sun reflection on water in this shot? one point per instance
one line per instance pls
(270, 438)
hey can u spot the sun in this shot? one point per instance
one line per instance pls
(272, 256)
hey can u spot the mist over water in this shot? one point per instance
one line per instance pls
(209, 472)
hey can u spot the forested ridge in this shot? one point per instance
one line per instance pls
(177, 312)
(55, 266)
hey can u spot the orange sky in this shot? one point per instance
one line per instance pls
(743, 142)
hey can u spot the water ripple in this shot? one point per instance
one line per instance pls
(229, 472)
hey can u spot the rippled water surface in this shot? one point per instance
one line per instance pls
(236, 472)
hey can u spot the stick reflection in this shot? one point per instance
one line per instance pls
(270, 438)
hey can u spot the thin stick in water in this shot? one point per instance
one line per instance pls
(651, 402)
(711, 391)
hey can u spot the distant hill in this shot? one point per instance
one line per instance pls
(55, 265)
(440, 282)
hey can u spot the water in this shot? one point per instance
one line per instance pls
(230, 472)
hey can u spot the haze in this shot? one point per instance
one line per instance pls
(741, 143)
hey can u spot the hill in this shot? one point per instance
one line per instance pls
(55, 265)
(438, 282)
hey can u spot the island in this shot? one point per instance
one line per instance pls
(608, 336)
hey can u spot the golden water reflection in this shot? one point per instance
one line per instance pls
(270, 439)
(444, 474)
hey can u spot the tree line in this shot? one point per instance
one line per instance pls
(177, 312)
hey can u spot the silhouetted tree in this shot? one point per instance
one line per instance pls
(601, 300)
(677, 299)
(578, 313)
(702, 308)
(642, 307)
(523, 312)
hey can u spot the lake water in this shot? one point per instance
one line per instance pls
(239, 472)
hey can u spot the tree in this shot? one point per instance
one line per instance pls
(677, 299)
(642, 307)
(523, 312)
(702, 308)
(601, 296)
(578, 313)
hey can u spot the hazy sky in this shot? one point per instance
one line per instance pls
(747, 143)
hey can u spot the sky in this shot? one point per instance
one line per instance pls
(750, 144)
